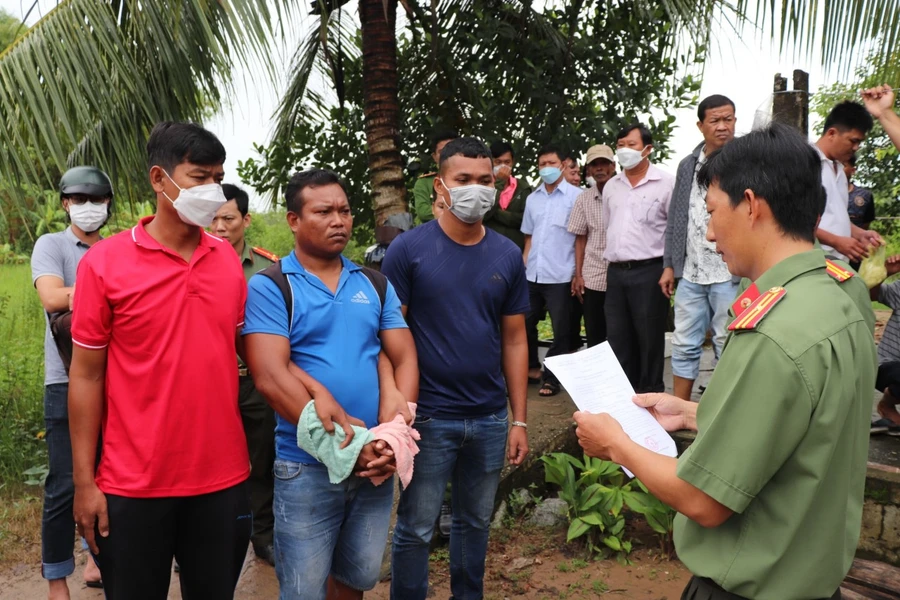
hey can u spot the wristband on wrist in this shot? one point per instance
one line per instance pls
(521, 424)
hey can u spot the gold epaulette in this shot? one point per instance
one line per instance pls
(838, 272)
(759, 308)
(265, 253)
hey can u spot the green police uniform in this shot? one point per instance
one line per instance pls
(423, 192)
(783, 438)
(853, 286)
(259, 428)
(508, 221)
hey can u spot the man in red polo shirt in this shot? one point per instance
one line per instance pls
(156, 313)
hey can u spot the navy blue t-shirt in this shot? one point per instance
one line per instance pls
(456, 297)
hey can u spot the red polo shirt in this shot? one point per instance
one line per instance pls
(171, 424)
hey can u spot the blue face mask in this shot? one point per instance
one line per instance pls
(550, 175)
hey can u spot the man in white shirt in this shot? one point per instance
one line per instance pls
(845, 128)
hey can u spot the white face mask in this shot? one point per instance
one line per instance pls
(629, 158)
(88, 217)
(470, 202)
(197, 205)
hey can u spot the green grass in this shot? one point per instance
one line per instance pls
(21, 376)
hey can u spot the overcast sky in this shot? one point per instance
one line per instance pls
(741, 68)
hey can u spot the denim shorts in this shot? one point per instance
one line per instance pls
(324, 529)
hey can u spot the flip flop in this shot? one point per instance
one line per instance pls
(881, 426)
(97, 585)
(534, 380)
(551, 387)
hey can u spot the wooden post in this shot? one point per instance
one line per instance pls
(792, 107)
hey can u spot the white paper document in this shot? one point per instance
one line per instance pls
(597, 384)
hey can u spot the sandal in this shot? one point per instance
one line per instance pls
(97, 585)
(881, 426)
(549, 386)
(534, 380)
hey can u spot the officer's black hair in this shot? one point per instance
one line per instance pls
(309, 178)
(714, 101)
(240, 197)
(848, 115)
(467, 147)
(646, 136)
(556, 149)
(781, 167)
(442, 135)
(172, 143)
(499, 148)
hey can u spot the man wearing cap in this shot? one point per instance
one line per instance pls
(86, 194)
(586, 222)
(705, 287)
(230, 224)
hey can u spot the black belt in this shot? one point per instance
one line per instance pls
(701, 587)
(633, 264)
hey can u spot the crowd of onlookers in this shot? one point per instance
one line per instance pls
(216, 394)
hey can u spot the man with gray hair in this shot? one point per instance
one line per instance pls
(705, 287)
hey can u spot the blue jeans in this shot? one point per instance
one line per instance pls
(697, 307)
(324, 529)
(57, 522)
(471, 453)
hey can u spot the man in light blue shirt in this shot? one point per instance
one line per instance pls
(550, 262)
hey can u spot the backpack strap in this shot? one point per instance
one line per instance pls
(275, 273)
(379, 282)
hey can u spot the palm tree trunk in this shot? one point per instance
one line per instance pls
(382, 109)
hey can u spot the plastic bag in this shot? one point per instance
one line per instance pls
(872, 269)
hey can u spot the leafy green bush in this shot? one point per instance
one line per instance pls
(596, 496)
(659, 515)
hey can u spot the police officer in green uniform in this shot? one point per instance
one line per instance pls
(230, 223)
(770, 493)
(423, 190)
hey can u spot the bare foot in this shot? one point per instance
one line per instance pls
(91, 571)
(887, 408)
(59, 590)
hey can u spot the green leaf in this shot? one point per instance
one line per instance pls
(655, 524)
(617, 502)
(639, 502)
(613, 542)
(592, 519)
(591, 496)
(577, 528)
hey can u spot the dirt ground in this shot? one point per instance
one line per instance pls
(522, 562)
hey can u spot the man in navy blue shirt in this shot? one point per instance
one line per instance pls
(465, 297)
(329, 538)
